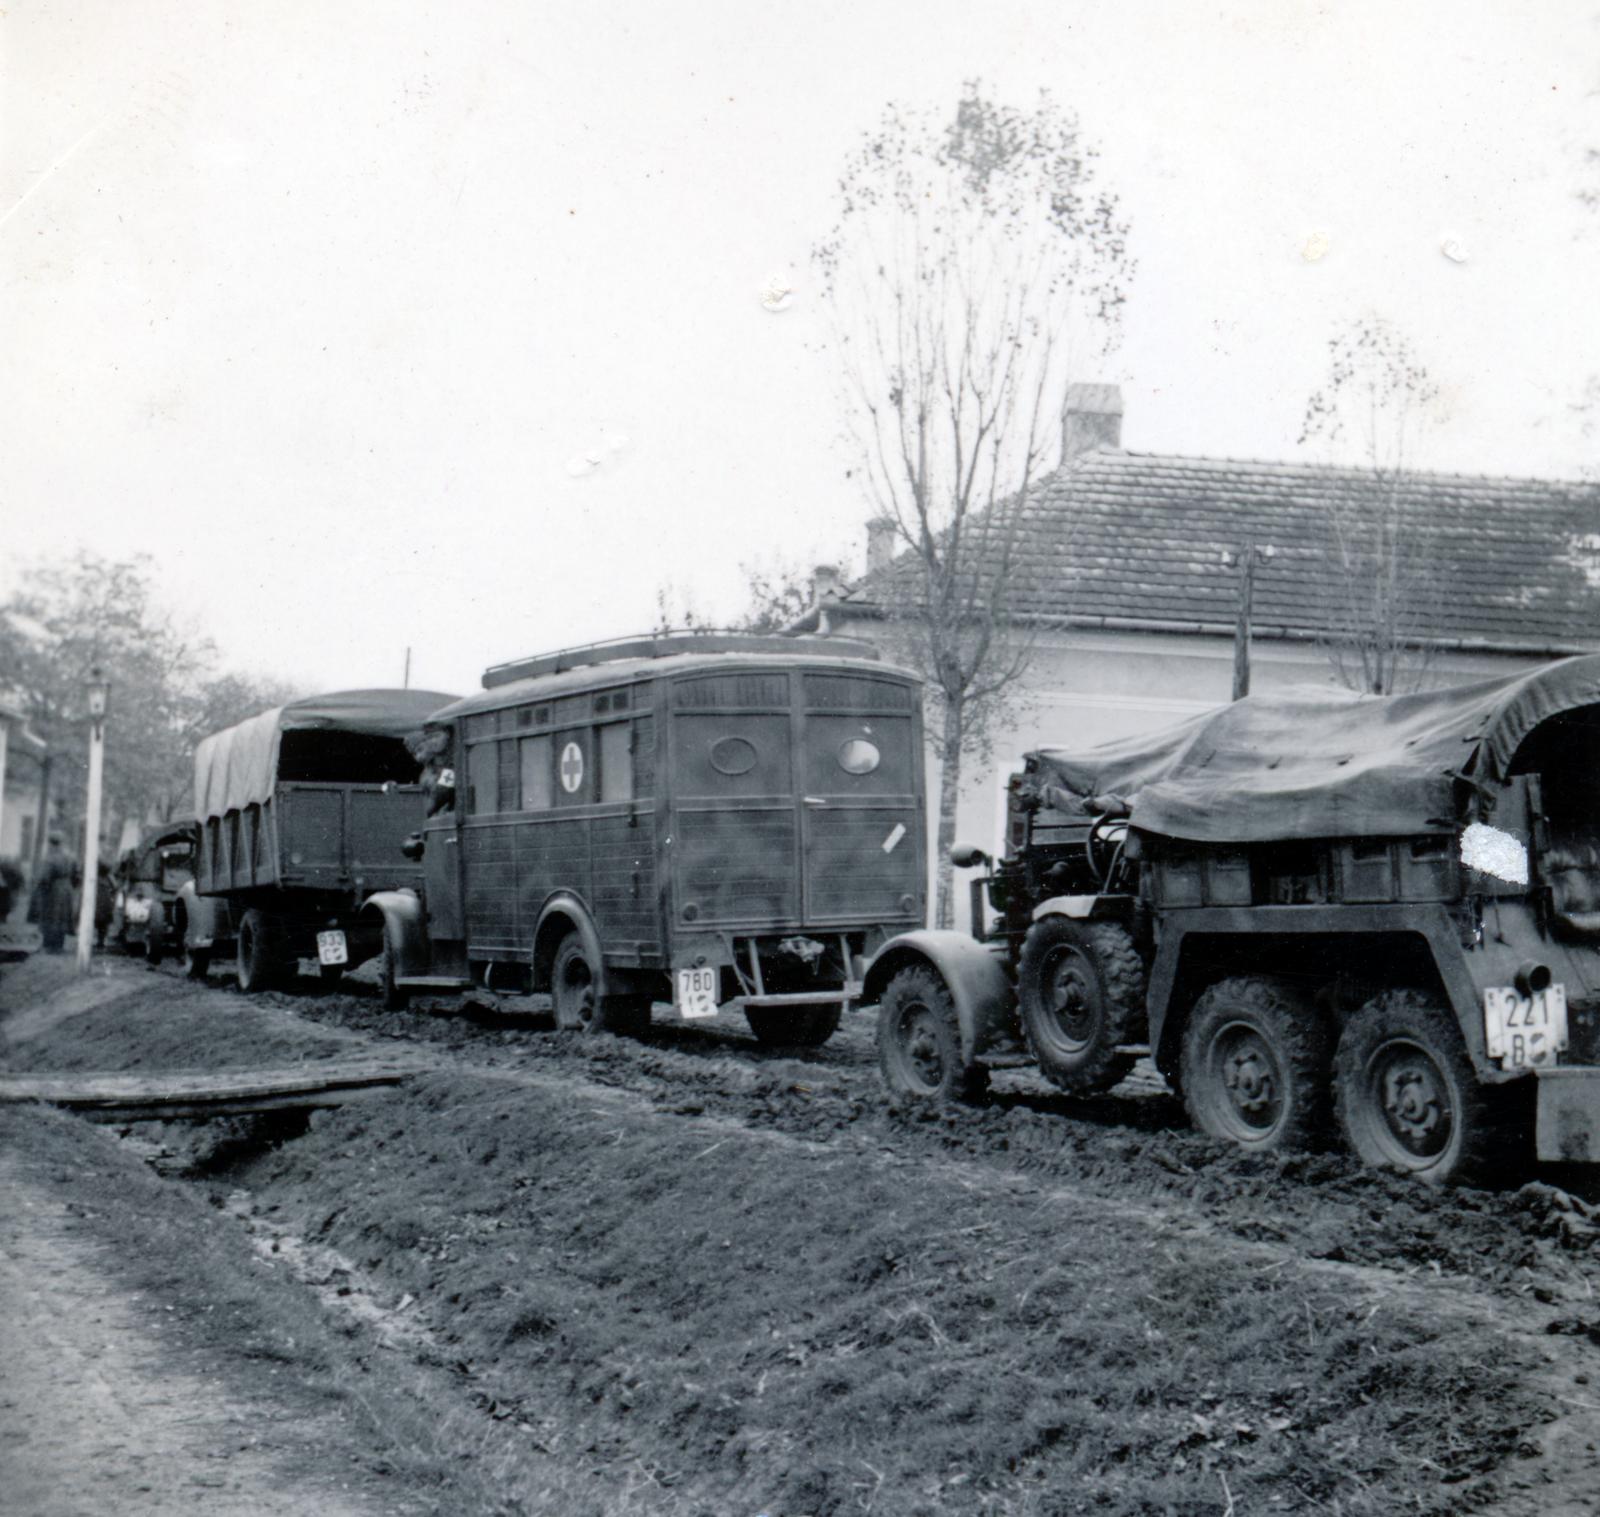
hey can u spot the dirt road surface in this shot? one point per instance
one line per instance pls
(100, 1413)
(689, 1275)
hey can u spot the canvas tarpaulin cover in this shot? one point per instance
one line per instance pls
(238, 766)
(1311, 763)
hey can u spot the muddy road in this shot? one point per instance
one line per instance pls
(692, 1275)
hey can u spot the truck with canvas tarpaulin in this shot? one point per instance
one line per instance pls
(717, 822)
(1302, 905)
(303, 812)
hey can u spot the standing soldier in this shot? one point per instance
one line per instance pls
(105, 895)
(53, 896)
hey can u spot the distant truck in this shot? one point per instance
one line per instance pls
(1386, 907)
(149, 878)
(711, 821)
(302, 814)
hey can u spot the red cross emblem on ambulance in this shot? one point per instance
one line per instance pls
(572, 768)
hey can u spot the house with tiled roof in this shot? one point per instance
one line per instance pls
(1128, 575)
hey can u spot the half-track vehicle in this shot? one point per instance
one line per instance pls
(1301, 906)
(722, 823)
(303, 812)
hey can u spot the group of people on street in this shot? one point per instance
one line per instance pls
(53, 906)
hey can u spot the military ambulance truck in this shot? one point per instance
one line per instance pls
(1310, 909)
(725, 823)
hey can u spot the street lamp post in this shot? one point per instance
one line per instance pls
(98, 693)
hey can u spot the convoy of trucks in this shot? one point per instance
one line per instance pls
(1314, 911)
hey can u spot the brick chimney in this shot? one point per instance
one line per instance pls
(826, 584)
(1090, 418)
(880, 543)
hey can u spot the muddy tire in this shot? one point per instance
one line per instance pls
(1407, 1095)
(919, 1041)
(260, 953)
(196, 962)
(394, 995)
(1255, 1066)
(1080, 988)
(793, 1026)
(578, 1008)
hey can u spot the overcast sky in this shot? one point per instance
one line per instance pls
(326, 306)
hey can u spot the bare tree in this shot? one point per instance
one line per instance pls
(777, 594)
(975, 261)
(1384, 592)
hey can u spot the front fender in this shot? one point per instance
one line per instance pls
(405, 926)
(971, 971)
(205, 919)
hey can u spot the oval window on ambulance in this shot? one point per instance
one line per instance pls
(733, 755)
(858, 756)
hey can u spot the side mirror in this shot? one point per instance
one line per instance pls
(965, 856)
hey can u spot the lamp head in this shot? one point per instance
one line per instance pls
(99, 690)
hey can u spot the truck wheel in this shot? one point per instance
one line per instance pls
(259, 963)
(578, 1008)
(1407, 1095)
(1255, 1066)
(196, 962)
(1080, 987)
(793, 1026)
(919, 1041)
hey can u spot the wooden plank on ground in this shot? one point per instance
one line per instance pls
(204, 1093)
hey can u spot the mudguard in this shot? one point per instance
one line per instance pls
(563, 913)
(1078, 907)
(974, 975)
(206, 920)
(405, 926)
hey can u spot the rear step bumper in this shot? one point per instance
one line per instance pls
(842, 995)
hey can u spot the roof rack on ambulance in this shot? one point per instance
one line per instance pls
(665, 645)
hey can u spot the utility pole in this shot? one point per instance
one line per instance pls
(98, 691)
(1244, 561)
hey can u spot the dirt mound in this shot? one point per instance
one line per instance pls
(126, 1017)
(714, 1277)
(748, 1320)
